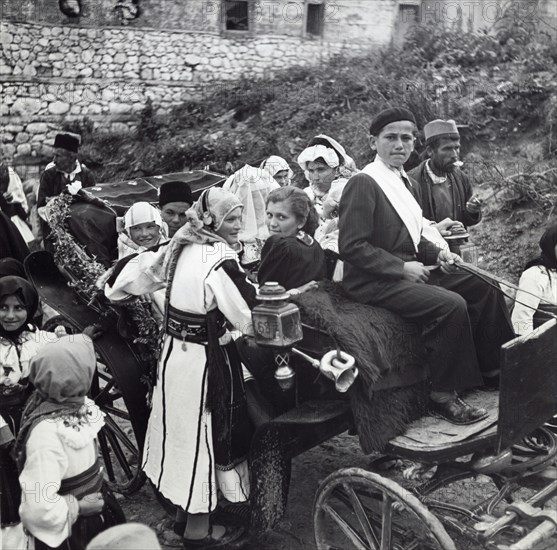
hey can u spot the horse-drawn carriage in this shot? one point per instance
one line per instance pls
(353, 508)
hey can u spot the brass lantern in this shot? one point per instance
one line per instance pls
(276, 322)
(277, 325)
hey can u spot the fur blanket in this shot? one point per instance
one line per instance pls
(390, 390)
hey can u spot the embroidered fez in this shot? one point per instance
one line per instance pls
(394, 114)
(69, 142)
(175, 191)
(438, 128)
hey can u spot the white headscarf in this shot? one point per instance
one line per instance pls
(140, 212)
(311, 154)
(137, 213)
(252, 186)
(275, 164)
(328, 154)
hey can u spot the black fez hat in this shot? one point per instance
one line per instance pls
(394, 114)
(69, 142)
(175, 191)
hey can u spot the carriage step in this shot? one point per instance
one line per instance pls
(314, 412)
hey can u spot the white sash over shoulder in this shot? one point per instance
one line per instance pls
(399, 196)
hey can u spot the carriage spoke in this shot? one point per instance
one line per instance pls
(345, 528)
(115, 411)
(118, 432)
(106, 456)
(104, 392)
(362, 517)
(386, 526)
(119, 454)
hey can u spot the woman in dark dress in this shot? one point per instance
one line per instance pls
(291, 256)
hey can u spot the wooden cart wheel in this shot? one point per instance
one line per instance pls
(357, 509)
(117, 443)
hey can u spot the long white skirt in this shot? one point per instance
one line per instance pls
(178, 453)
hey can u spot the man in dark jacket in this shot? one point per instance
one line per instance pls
(446, 193)
(386, 246)
(65, 174)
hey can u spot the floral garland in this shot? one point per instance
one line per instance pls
(84, 272)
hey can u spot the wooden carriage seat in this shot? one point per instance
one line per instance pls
(527, 398)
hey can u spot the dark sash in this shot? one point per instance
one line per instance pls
(191, 327)
(86, 483)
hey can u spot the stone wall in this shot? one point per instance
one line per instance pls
(50, 73)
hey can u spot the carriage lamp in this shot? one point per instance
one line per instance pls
(461, 245)
(469, 252)
(277, 325)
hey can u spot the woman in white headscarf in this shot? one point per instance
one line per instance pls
(140, 228)
(252, 186)
(199, 433)
(328, 168)
(279, 169)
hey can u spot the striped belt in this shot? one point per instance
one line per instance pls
(190, 327)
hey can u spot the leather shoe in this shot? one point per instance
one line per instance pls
(458, 411)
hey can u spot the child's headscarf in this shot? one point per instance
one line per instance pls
(139, 212)
(28, 297)
(275, 164)
(61, 373)
(547, 257)
(128, 536)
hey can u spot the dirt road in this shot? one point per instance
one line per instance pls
(295, 530)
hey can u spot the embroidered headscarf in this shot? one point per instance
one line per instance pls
(27, 296)
(252, 187)
(547, 257)
(275, 164)
(203, 219)
(61, 373)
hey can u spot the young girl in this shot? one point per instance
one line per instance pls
(20, 341)
(539, 278)
(140, 228)
(56, 450)
(291, 256)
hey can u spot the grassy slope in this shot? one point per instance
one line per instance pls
(502, 87)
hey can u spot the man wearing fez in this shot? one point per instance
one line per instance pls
(64, 174)
(446, 191)
(386, 245)
(175, 197)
